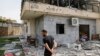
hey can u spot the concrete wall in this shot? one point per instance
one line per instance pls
(38, 9)
(91, 23)
(98, 26)
(28, 31)
(14, 30)
(10, 29)
(32, 27)
(39, 24)
(29, 27)
(71, 33)
(17, 30)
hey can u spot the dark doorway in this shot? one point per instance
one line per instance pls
(84, 29)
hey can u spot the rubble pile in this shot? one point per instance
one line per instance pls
(91, 45)
(13, 48)
(89, 48)
(64, 50)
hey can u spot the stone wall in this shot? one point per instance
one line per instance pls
(3, 31)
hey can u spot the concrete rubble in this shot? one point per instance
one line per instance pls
(69, 49)
(14, 48)
(62, 52)
(89, 48)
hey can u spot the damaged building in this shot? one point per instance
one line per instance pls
(63, 19)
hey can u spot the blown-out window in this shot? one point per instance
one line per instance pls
(60, 29)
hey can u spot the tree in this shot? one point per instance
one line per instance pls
(2, 20)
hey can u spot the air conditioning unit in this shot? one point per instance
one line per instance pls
(74, 21)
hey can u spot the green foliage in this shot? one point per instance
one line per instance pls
(1, 52)
(6, 20)
(13, 39)
(4, 40)
(7, 40)
(2, 20)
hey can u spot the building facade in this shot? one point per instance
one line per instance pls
(65, 21)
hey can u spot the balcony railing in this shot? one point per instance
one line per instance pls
(79, 4)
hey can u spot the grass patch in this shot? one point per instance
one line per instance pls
(1, 45)
(7, 40)
(13, 39)
(3, 40)
(1, 52)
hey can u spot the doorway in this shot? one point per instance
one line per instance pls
(84, 29)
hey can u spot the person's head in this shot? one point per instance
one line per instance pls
(44, 33)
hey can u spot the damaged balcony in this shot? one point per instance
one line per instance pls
(33, 9)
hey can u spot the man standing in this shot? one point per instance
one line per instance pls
(48, 43)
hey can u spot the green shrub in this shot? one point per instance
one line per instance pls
(1, 52)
